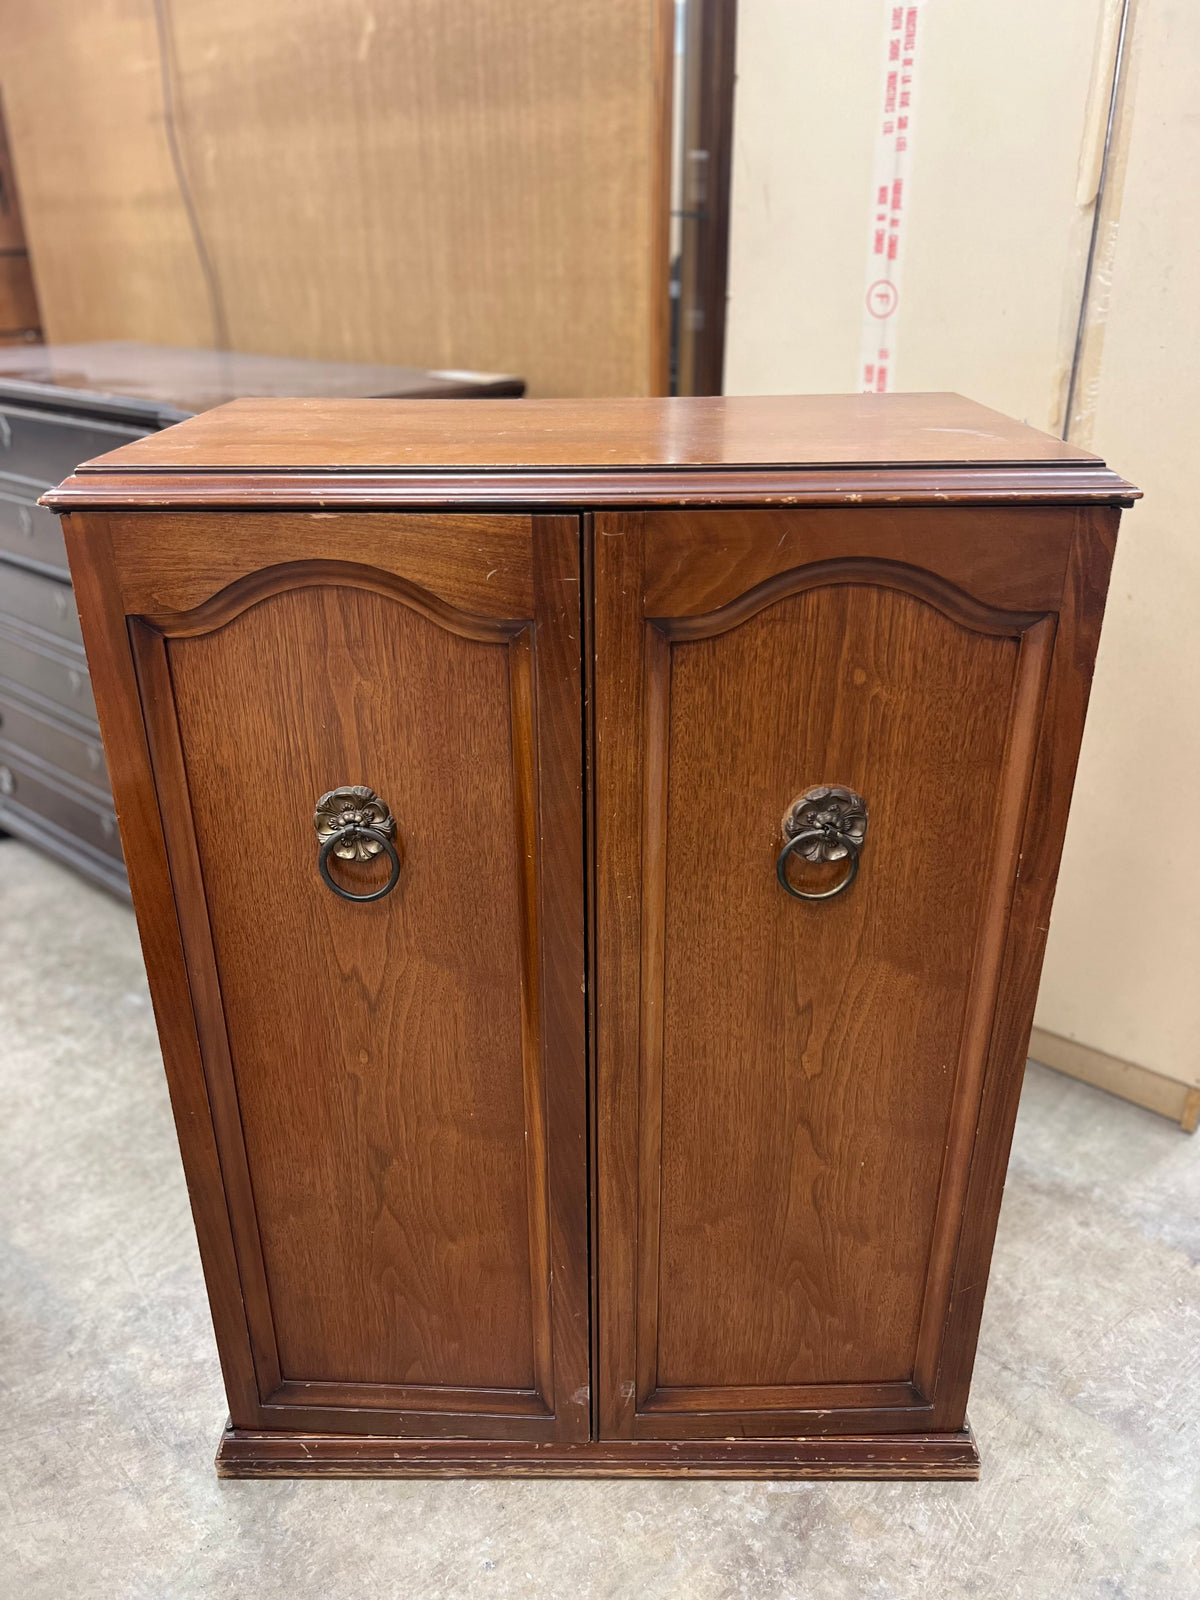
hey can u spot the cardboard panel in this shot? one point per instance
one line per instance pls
(469, 185)
(1124, 946)
(995, 214)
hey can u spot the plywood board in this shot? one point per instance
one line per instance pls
(1166, 1096)
(18, 305)
(477, 184)
(12, 231)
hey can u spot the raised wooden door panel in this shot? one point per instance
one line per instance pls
(794, 1205)
(396, 1087)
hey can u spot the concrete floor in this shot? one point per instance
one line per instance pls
(1086, 1399)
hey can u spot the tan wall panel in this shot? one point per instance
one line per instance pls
(463, 183)
(103, 220)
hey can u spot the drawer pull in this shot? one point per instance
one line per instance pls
(354, 824)
(825, 824)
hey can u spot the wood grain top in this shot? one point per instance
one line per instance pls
(797, 430)
(198, 380)
(810, 448)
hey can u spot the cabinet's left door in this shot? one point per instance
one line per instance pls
(380, 1100)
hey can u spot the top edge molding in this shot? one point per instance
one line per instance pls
(101, 488)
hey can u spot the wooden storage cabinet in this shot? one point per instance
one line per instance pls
(583, 1145)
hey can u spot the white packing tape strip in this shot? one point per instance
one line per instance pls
(890, 195)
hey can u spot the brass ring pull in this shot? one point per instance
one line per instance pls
(354, 824)
(797, 842)
(825, 824)
(355, 836)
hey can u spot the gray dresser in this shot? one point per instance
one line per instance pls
(60, 405)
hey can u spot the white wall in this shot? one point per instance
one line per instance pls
(1009, 121)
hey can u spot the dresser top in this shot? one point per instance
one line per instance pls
(799, 449)
(164, 376)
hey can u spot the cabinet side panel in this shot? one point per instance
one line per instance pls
(951, 1356)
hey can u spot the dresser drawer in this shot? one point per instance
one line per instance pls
(35, 601)
(28, 531)
(47, 446)
(29, 733)
(35, 802)
(58, 677)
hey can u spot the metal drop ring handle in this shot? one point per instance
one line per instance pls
(352, 836)
(794, 843)
(357, 825)
(823, 824)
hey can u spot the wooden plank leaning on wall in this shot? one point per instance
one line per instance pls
(481, 184)
(20, 320)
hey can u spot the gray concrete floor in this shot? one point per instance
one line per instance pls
(1086, 1397)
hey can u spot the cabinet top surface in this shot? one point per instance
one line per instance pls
(794, 430)
(593, 451)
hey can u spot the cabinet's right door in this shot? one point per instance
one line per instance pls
(805, 1105)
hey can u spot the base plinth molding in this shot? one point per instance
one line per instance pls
(245, 1454)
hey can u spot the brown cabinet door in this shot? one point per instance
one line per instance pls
(397, 1242)
(795, 1211)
